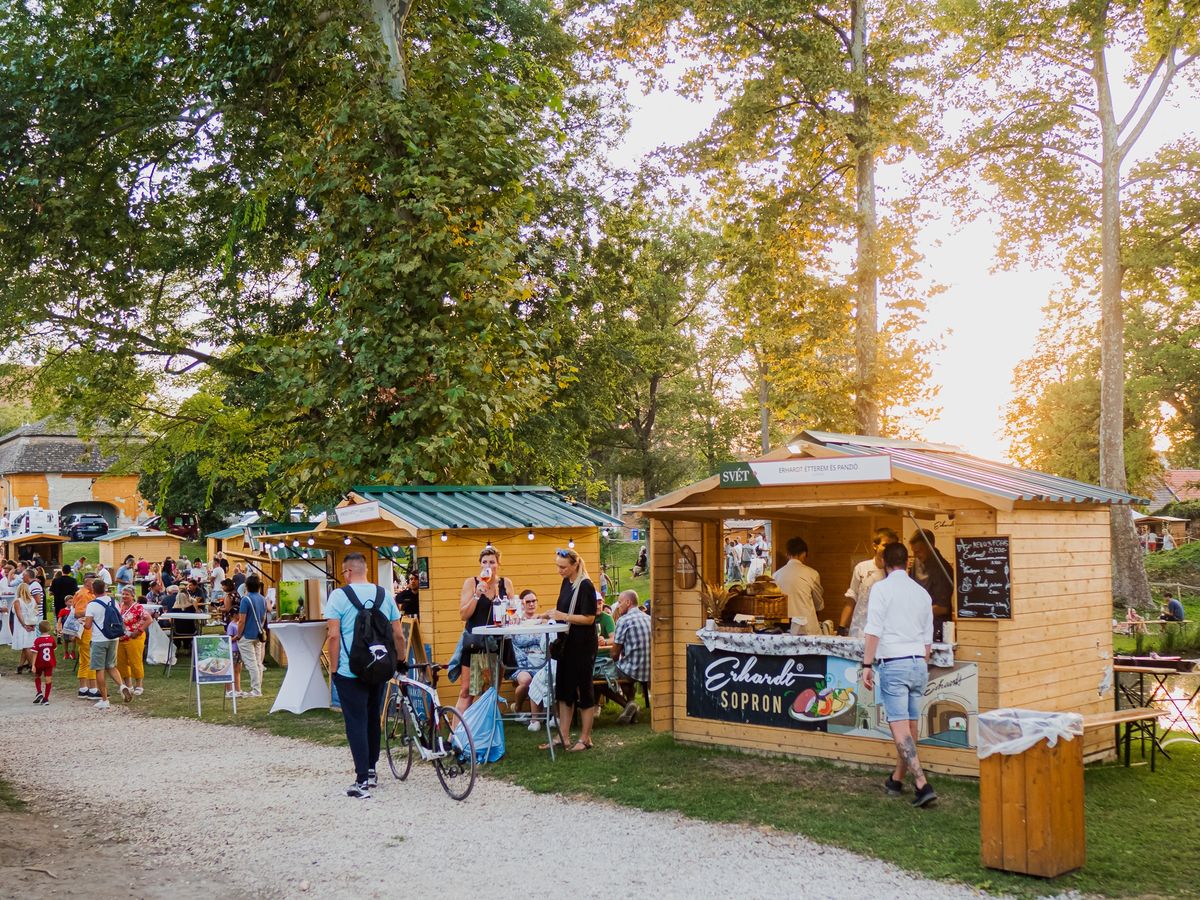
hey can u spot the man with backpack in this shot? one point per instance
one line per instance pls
(103, 619)
(365, 640)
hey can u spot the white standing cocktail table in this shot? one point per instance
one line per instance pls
(304, 686)
(168, 660)
(504, 633)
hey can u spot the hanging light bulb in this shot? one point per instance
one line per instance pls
(296, 543)
(530, 535)
(489, 545)
(305, 554)
(445, 537)
(412, 548)
(311, 541)
(395, 548)
(571, 543)
(346, 541)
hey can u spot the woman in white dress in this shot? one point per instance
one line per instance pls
(24, 626)
(8, 594)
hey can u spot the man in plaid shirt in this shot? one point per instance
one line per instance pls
(631, 652)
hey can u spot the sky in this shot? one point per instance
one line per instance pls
(993, 317)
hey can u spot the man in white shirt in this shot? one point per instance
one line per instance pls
(899, 637)
(104, 575)
(35, 588)
(216, 576)
(802, 584)
(866, 574)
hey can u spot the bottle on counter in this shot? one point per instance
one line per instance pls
(497, 612)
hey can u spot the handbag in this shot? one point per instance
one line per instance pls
(558, 646)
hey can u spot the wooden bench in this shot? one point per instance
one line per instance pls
(1144, 719)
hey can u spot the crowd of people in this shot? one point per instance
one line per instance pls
(98, 618)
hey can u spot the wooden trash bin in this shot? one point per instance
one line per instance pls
(1031, 809)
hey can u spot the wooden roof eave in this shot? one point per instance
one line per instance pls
(407, 529)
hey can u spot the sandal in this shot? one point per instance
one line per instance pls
(557, 745)
(579, 747)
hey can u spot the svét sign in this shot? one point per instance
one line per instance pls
(982, 577)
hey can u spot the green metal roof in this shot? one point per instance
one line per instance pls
(513, 506)
(133, 532)
(261, 528)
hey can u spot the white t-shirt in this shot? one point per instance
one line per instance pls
(8, 591)
(901, 616)
(218, 575)
(105, 575)
(865, 576)
(97, 611)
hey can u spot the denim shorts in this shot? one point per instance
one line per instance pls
(902, 686)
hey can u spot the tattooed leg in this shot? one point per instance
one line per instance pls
(906, 752)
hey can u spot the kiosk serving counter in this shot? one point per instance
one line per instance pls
(1032, 605)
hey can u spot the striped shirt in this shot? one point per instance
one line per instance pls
(633, 634)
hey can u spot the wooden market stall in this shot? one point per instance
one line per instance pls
(47, 547)
(1032, 608)
(153, 546)
(446, 527)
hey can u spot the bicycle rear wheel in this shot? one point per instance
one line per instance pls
(455, 771)
(398, 737)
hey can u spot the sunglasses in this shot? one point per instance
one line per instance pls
(565, 554)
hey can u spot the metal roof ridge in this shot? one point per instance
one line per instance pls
(449, 488)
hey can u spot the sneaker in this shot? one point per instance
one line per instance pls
(39, 699)
(93, 693)
(629, 713)
(126, 692)
(253, 694)
(358, 791)
(893, 787)
(535, 726)
(138, 691)
(102, 704)
(522, 718)
(230, 694)
(925, 796)
(83, 693)
(372, 779)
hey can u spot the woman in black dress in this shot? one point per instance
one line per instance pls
(573, 675)
(475, 608)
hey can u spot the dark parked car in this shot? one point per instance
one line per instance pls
(185, 526)
(83, 527)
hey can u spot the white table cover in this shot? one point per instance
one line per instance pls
(304, 686)
(942, 655)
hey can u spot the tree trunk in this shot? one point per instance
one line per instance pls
(764, 412)
(1129, 582)
(390, 16)
(866, 338)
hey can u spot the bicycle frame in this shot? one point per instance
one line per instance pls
(422, 731)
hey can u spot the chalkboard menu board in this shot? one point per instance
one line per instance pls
(981, 566)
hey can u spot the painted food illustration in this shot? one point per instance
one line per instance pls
(819, 703)
(213, 665)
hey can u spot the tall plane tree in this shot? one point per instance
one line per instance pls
(816, 95)
(1040, 82)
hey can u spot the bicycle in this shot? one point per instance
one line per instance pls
(416, 722)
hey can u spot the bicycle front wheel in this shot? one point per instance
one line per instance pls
(455, 770)
(398, 737)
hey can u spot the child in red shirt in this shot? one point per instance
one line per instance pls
(44, 661)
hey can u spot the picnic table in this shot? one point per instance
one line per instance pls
(1160, 693)
(1144, 720)
(1133, 627)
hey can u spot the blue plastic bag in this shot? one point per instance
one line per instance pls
(487, 728)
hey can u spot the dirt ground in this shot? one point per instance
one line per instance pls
(92, 863)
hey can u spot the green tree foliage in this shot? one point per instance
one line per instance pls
(816, 95)
(235, 200)
(1037, 83)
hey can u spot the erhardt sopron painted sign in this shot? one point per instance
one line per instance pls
(807, 471)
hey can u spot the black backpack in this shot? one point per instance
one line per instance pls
(113, 626)
(373, 649)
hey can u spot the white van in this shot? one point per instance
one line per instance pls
(33, 520)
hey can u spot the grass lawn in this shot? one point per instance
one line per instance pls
(620, 556)
(90, 551)
(835, 805)
(1173, 640)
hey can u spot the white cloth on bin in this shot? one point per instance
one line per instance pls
(1013, 731)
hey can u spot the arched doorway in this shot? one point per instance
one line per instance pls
(91, 508)
(946, 722)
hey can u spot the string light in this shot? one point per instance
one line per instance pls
(530, 535)
(305, 554)
(295, 543)
(445, 537)
(489, 546)
(395, 548)
(571, 543)
(346, 541)
(311, 541)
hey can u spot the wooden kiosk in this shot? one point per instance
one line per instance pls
(150, 545)
(46, 546)
(1033, 601)
(444, 528)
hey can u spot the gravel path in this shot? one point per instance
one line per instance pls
(281, 802)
